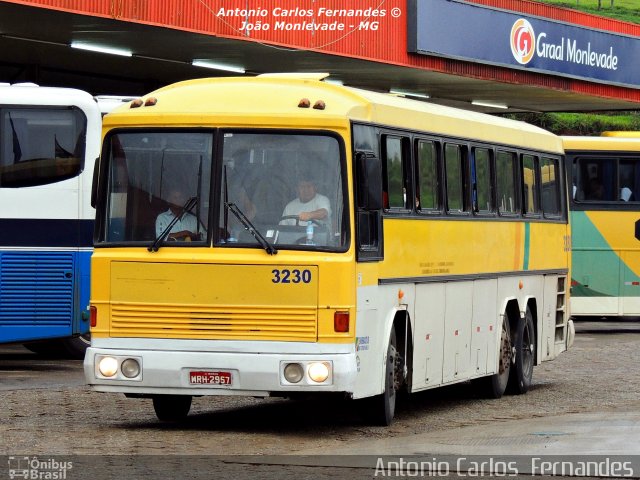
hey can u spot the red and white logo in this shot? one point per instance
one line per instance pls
(523, 41)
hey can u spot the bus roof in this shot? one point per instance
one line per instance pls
(615, 144)
(32, 94)
(272, 100)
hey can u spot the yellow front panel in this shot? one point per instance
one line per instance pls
(213, 301)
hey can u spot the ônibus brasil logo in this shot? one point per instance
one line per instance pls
(523, 41)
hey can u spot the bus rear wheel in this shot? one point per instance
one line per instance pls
(172, 408)
(524, 347)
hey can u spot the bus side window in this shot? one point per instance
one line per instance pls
(549, 173)
(530, 184)
(455, 178)
(396, 191)
(483, 198)
(629, 180)
(506, 183)
(598, 178)
(427, 194)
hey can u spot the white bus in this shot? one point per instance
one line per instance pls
(49, 141)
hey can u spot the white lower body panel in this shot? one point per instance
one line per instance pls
(167, 370)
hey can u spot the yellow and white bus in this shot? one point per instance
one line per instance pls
(605, 217)
(424, 263)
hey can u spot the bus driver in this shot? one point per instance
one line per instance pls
(186, 228)
(309, 205)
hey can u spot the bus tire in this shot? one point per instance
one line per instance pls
(382, 407)
(495, 385)
(524, 342)
(77, 346)
(172, 408)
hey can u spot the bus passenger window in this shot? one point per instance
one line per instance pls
(395, 174)
(549, 172)
(427, 175)
(482, 171)
(597, 179)
(455, 178)
(530, 184)
(629, 180)
(506, 185)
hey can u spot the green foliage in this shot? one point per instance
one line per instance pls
(581, 123)
(625, 10)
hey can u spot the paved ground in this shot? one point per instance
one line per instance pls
(585, 402)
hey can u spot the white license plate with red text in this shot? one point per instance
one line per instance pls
(210, 378)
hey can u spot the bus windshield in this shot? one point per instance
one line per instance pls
(274, 190)
(40, 145)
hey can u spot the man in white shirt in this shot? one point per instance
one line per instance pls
(309, 205)
(186, 228)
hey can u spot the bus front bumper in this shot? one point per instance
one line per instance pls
(153, 372)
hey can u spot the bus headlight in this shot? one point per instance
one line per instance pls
(293, 372)
(118, 367)
(130, 368)
(318, 371)
(108, 366)
(306, 373)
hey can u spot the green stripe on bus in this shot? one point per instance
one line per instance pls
(527, 237)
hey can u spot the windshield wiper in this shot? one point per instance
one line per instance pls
(233, 208)
(185, 208)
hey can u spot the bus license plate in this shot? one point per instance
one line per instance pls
(209, 378)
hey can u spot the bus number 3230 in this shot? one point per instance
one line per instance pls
(291, 276)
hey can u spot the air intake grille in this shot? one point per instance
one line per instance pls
(36, 288)
(219, 322)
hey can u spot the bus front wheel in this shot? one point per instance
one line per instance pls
(77, 346)
(172, 408)
(495, 385)
(383, 406)
(524, 347)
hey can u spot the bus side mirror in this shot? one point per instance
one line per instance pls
(369, 181)
(94, 184)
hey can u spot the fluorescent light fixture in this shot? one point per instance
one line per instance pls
(482, 103)
(406, 93)
(101, 49)
(217, 66)
(334, 82)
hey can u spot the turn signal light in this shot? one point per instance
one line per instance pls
(341, 322)
(93, 316)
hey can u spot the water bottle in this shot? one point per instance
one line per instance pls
(309, 233)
